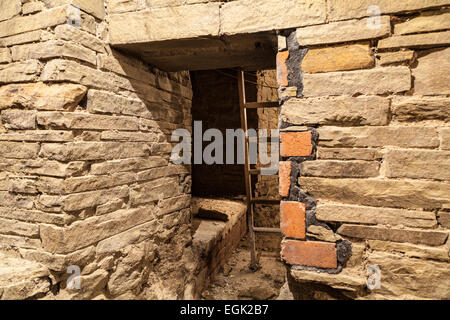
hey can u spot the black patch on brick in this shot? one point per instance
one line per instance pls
(296, 55)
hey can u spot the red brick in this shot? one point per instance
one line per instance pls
(296, 144)
(293, 219)
(282, 70)
(309, 253)
(284, 174)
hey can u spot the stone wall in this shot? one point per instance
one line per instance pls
(84, 154)
(365, 146)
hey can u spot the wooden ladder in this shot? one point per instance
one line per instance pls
(248, 171)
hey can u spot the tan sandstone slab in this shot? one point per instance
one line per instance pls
(246, 16)
(411, 250)
(340, 169)
(424, 23)
(415, 40)
(424, 164)
(431, 238)
(431, 279)
(340, 110)
(333, 212)
(9, 9)
(387, 58)
(348, 153)
(414, 137)
(346, 9)
(410, 194)
(338, 58)
(19, 71)
(445, 136)
(420, 108)
(42, 20)
(430, 79)
(5, 55)
(342, 31)
(41, 96)
(165, 23)
(372, 81)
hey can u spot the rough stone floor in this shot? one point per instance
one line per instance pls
(237, 282)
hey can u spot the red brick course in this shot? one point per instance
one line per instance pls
(296, 144)
(309, 253)
(293, 219)
(284, 174)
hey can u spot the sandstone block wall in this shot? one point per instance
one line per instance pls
(85, 174)
(364, 143)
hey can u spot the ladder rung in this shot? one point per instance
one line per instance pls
(255, 105)
(267, 230)
(265, 201)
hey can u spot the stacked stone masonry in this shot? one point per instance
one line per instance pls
(85, 130)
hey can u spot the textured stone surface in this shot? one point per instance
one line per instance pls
(444, 219)
(346, 9)
(342, 31)
(338, 58)
(374, 81)
(293, 219)
(423, 108)
(371, 215)
(5, 55)
(413, 137)
(247, 16)
(19, 71)
(415, 40)
(410, 250)
(426, 279)
(19, 119)
(341, 110)
(431, 238)
(165, 23)
(309, 253)
(41, 96)
(418, 164)
(445, 136)
(42, 20)
(424, 23)
(348, 154)
(9, 9)
(69, 33)
(340, 169)
(413, 194)
(387, 58)
(430, 80)
(321, 233)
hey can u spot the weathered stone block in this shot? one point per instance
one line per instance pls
(246, 16)
(425, 164)
(155, 190)
(309, 253)
(43, 167)
(78, 201)
(5, 55)
(69, 33)
(428, 279)
(387, 58)
(424, 23)
(19, 119)
(373, 81)
(9, 9)
(445, 138)
(338, 58)
(430, 80)
(93, 151)
(27, 37)
(409, 137)
(132, 136)
(341, 110)
(444, 219)
(423, 108)
(348, 154)
(20, 71)
(379, 193)
(32, 7)
(165, 23)
(132, 164)
(431, 238)
(321, 233)
(36, 217)
(340, 169)
(17, 228)
(293, 219)
(343, 31)
(18, 150)
(370, 215)
(410, 250)
(42, 20)
(93, 7)
(53, 49)
(75, 120)
(415, 40)
(347, 9)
